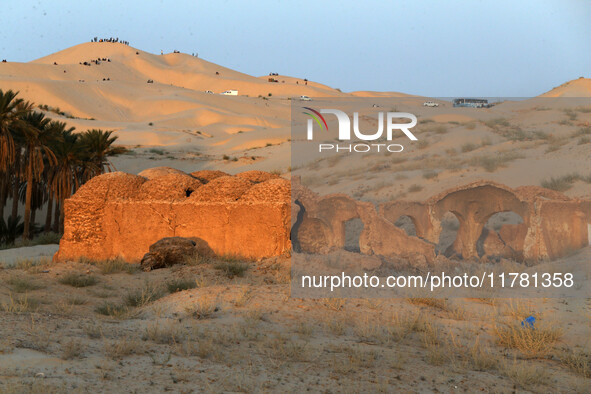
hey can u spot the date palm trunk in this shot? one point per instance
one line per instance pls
(49, 213)
(56, 216)
(28, 198)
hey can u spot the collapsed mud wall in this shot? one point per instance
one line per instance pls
(121, 215)
(552, 224)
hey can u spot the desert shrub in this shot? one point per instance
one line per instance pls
(430, 174)
(469, 147)
(203, 308)
(122, 348)
(582, 131)
(232, 268)
(177, 285)
(492, 162)
(47, 239)
(577, 361)
(531, 342)
(78, 280)
(571, 114)
(497, 123)
(112, 309)
(562, 183)
(144, 295)
(524, 374)
(168, 333)
(72, 349)
(439, 129)
(21, 284)
(415, 188)
(555, 144)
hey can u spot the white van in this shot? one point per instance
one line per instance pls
(230, 93)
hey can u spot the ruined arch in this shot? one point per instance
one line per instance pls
(473, 204)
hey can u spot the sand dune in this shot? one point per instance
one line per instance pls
(172, 111)
(576, 88)
(197, 129)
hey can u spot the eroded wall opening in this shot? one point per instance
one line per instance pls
(293, 235)
(449, 232)
(353, 229)
(406, 223)
(491, 241)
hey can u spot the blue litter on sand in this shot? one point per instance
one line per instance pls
(528, 322)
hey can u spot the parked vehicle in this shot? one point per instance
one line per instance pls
(209, 92)
(305, 98)
(230, 93)
(470, 102)
(430, 104)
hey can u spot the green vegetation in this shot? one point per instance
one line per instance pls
(565, 182)
(46, 159)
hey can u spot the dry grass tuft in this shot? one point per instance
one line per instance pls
(333, 304)
(143, 296)
(232, 268)
(117, 311)
(436, 303)
(72, 349)
(525, 375)
(121, 348)
(577, 361)
(203, 308)
(23, 284)
(177, 285)
(168, 333)
(78, 280)
(19, 304)
(531, 342)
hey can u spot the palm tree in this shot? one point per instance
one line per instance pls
(11, 229)
(66, 173)
(37, 137)
(11, 110)
(98, 144)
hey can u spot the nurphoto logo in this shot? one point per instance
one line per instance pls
(344, 130)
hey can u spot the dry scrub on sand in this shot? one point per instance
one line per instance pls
(228, 325)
